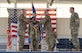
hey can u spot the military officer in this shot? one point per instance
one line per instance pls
(34, 32)
(21, 29)
(74, 26)
(50, 35)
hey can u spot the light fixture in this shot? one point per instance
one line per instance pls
(51, 2)
(8, 1)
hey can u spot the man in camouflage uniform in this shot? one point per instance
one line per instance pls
(34, 32)
(50, 35)
(74, 26)
(21, 29)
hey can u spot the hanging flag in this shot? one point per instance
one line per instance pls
(13, 25)
(41, 28)
(33, 11)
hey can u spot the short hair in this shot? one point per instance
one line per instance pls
(72, 8)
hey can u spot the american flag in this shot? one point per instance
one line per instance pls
(13, 21)
(39, 14)
(13, 25)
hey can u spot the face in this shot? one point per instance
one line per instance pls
(46, 12)
(71, 10)
(23, 12)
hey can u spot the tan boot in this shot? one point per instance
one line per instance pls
(77, 49)
(50, 49)
(20, 49)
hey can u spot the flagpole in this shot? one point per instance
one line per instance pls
(30, 49)
(15, 4)
(32, 2)
(8, 1)
(47, 4)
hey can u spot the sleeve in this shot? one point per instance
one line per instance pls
(39, 29)
(77, 20)
(22, 18)
(72, 22)
(45, 20)
(29, 30)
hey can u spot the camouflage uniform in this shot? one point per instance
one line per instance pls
(21, 30)
(74, 26)
(50, 35)
(32, 33)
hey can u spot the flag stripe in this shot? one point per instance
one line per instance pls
(14, 35)
(13, 26)
(14, 31)
(43, 14)
(52, 17)
(41, 9)
(26, 36)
